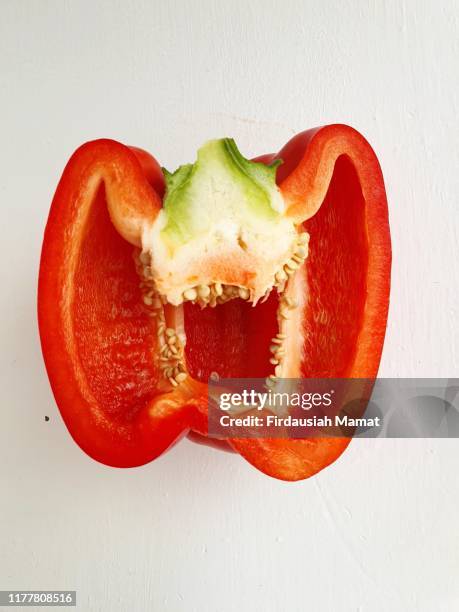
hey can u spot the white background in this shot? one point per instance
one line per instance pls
(199, 530)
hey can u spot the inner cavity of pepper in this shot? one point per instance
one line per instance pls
(217, 330)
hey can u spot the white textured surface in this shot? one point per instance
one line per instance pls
(200, 531)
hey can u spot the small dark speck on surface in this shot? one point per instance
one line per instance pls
(46, 418)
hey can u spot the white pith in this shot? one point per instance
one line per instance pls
(286, 347)
(247, 255)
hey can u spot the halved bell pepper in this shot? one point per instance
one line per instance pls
(104, 330)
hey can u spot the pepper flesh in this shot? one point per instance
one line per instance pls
(100, 343)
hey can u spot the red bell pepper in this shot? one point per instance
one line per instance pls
(100, 343)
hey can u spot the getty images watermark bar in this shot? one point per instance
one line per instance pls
(37, 598)
(335, 407)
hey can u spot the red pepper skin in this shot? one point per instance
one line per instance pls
(118, 362)
(99, 342)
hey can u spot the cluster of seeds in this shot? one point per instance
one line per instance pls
(171, 357)
(215, 293)
(300, 252)
(277, 347)
(219, 293)
(286, 305)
